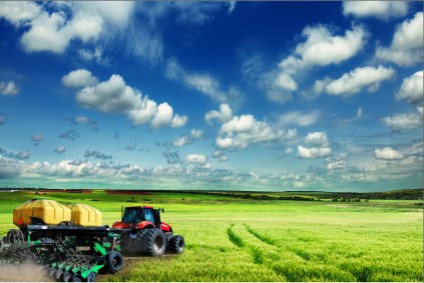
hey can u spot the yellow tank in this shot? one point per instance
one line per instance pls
(85, 215)
(49, 211)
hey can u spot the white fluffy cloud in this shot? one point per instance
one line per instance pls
(8, 88)
(404, 121)
(407, 44)
(79, 78)
(114, 96)
(243, 130)
(52, 30)
(223, 115)
(412, 89)
(321, 48)
(313, 152)
(354, 81)
(387, 153)
(379, 9)
(188, 139)
(318, 146)
(337, 162)
(198, 159)
(298, 118)
(220, 155)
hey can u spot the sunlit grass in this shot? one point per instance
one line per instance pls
(243, 240)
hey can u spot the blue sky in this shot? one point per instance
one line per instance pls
(271, 96)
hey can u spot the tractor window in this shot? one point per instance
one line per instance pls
(148, 215)
(132, 216)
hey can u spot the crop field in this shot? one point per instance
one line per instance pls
(234, 239)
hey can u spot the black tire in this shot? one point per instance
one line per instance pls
(91, 277)
(75, 278)
(66, 276)
(153, 242)
(176, 244)
(114, 261)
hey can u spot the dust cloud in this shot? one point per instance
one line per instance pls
(25, 272)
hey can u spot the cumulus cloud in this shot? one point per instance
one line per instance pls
(383, 10)
(298, 118)
(8, 88)
(114, 96)
(223, 115)
(3, 119)
(203, 83)
(70, 135)
(403, 121)
(96, 154)
(357, 79)
(188, 139)
(10, 168)
(198, 159)
(37, 138)
(243, 130)
(387, 153)
(53, 30)
(318, 146)
(412, 89)
(79, 78)
(60, 149)
(407, 44)
(313, 152)
(337, 162)
(321, 48)
(220, 155)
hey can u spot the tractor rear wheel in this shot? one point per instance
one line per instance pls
(176, 244)
(153, 242)
(114, 261)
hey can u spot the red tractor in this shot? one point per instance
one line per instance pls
(146, 234)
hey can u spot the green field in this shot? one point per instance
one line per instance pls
(235, 239)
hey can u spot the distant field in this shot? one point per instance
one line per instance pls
(235, 239)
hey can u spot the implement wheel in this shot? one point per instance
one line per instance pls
(66, 276)
(153, 242)
(176, 244)
(51, 272)
(75, 278)
(58, 274)
(91, 277)
(114, 261)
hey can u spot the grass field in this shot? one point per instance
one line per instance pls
(233, 239)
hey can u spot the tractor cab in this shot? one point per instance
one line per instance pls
(134, 215)
(141, 217)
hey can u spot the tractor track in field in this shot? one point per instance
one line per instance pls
(270, 260)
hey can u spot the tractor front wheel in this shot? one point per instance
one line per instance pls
(154, 242)
(176, 244)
